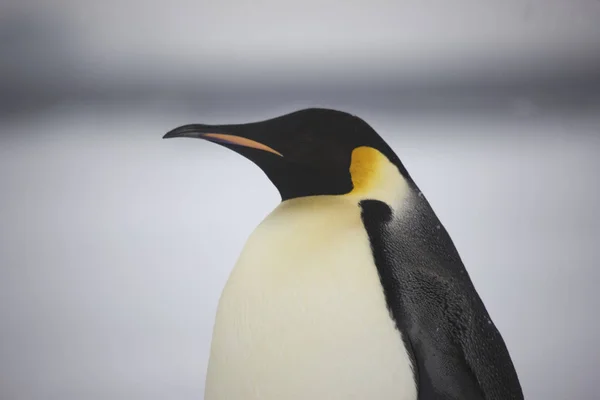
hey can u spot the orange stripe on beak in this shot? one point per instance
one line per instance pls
(232, 139)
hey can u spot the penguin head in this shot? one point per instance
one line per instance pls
(310, 152)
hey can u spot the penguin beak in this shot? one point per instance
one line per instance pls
(218, 134)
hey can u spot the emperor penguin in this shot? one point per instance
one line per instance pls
(351, 288)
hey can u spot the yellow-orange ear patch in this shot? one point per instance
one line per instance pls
(374, 176)
(365, 168)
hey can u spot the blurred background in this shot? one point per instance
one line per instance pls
(115, 244)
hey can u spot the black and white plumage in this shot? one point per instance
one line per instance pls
(351, 288)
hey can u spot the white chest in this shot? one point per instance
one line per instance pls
(303, 315)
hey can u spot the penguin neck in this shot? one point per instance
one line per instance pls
(374, 177)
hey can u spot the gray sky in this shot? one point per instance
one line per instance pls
(234, 42)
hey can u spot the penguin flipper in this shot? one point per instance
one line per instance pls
(456, 350)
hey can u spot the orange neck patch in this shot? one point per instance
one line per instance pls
(375, 177)
(366, 168)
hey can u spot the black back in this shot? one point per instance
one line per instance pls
(456, 350)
